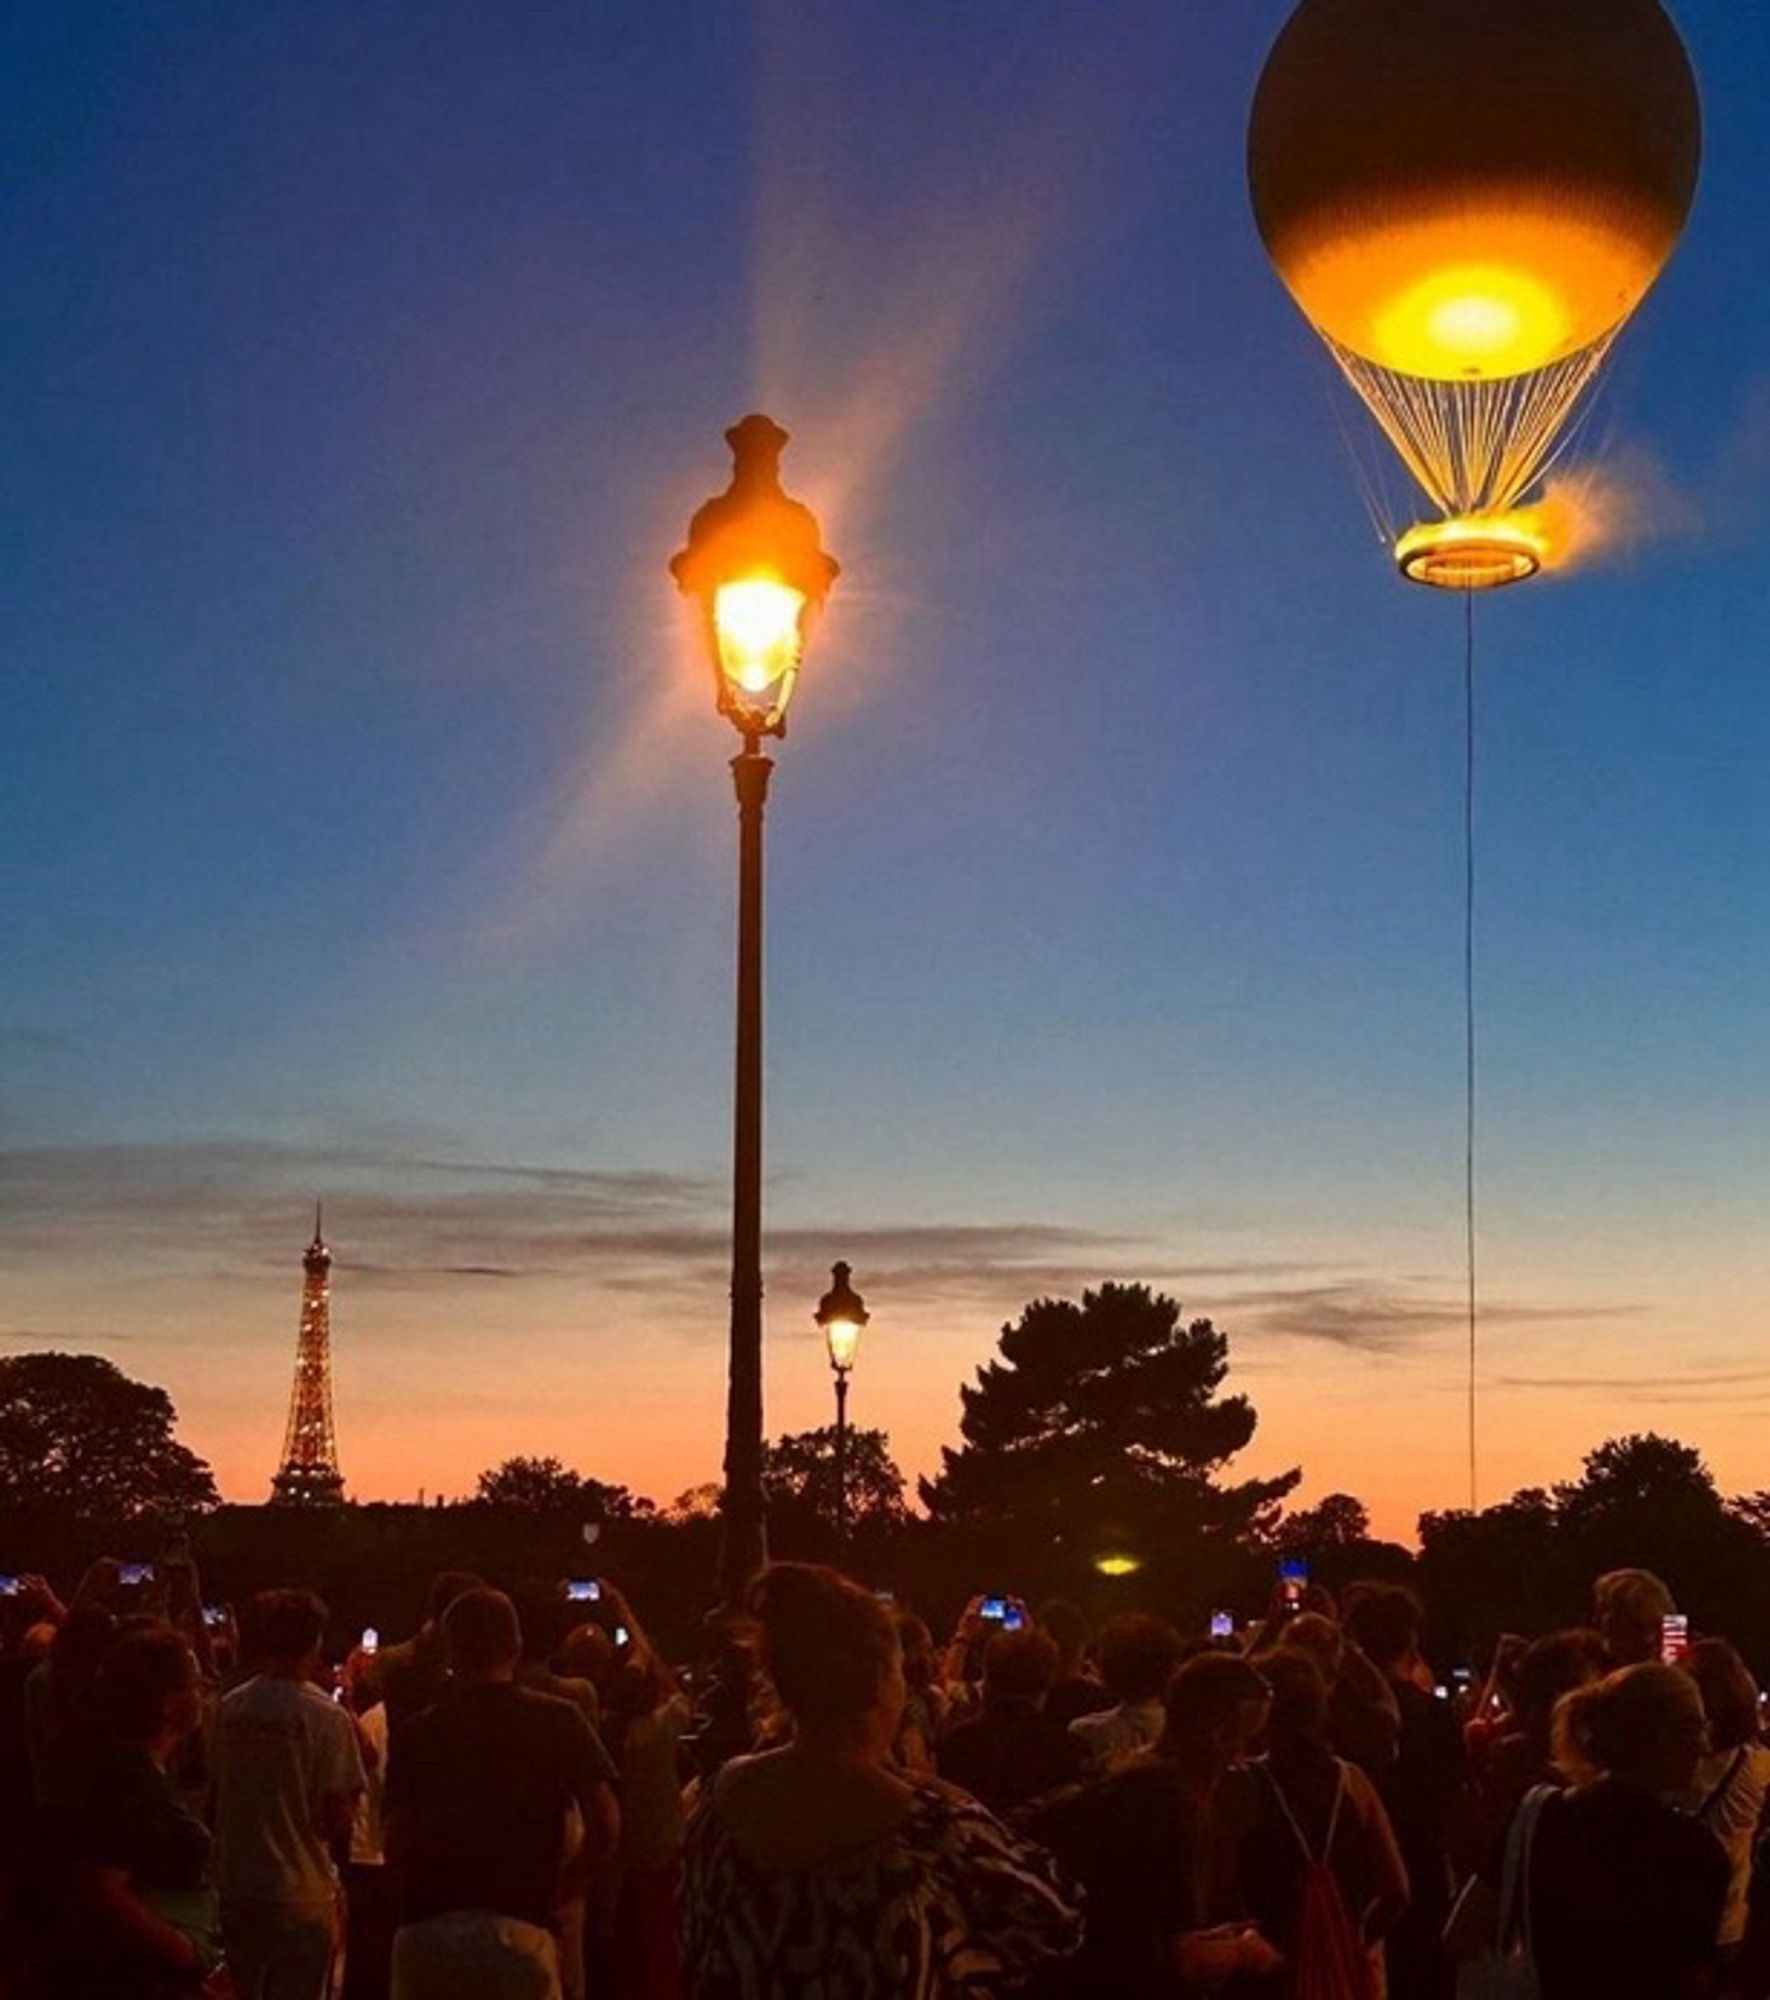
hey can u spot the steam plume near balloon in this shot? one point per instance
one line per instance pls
(1592, 512)
(1604, 509)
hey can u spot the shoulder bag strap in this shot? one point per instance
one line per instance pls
(1514, 1914)
(1327, 1846)
(1284, 1806)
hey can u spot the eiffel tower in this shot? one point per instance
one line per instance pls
(309, 1476)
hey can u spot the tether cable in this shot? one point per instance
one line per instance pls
(1469, 1017)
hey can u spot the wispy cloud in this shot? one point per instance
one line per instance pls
(416, 1220)
(967, 1265)
(408, 1222)
(173, 1200)
(38, 1338)
(1372, 1317)
(1647, 1384)
(987, 1269)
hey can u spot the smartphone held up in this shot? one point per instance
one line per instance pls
(1006, 1612)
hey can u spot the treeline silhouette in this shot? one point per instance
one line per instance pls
(1093, 1465)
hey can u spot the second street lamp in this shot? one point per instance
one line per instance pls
(756, 568)
(842, 1314)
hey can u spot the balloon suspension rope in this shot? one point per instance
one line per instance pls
(1469, 1010)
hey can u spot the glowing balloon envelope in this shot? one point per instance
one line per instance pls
(1468, 199)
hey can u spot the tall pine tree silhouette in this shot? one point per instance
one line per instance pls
(1104, 1416)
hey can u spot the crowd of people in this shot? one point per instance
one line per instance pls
(525, 1799)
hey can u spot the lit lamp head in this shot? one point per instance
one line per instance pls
(841, 1313)
(755, 566)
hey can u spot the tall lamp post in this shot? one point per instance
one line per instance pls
(841, 1313)
(756, 568)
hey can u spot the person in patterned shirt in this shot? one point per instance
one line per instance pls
(818, 1869)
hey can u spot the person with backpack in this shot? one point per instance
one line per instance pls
(1315, 1866)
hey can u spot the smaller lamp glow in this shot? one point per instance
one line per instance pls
(843, 1339)
(757, 623)
(1118, 1565)
(842, 1313)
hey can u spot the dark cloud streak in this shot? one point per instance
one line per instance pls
(1369, 1318)
(237, 1209)
(1622, 1384)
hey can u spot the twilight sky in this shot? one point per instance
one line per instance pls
(367, 827)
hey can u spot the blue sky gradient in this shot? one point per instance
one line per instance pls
(369, 833)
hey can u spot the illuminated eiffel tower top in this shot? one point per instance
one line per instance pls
(309, 1475)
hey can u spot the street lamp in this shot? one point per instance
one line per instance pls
(841, 1313)
(756, 568)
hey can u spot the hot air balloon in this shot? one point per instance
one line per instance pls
(1468, 199)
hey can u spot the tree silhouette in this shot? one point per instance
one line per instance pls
(1506, 1568)
(696, 1503)
(549, 1486)
(79, 1438)
(800, 1471)
(799, 1479)
(1644, 1501)
(1103, 1419)
(1337, 1521)
(1650, 1501)
(1638, 1479)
